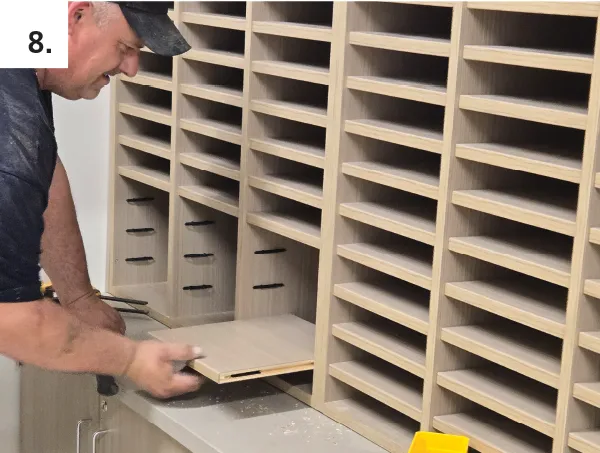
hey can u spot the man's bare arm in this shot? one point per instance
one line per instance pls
(44, 334)
(63, 254)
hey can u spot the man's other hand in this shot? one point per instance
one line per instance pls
(94, 311)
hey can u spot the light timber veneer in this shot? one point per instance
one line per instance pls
(390, 210)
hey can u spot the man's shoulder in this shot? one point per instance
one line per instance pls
(18, 87)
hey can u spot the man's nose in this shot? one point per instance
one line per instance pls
(130, 65)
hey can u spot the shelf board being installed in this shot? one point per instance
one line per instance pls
(214, 20)
(216, 93)
(557, 163)
(588, 392)
(248, 349)
(161, 115)
(293, 227)
(404, 43)
(223, 166)
(220, 200)
(311, 32)
(585, 442)
(430, 93)
(303, 153)
(292, 187)
(215, 129)
(150, 145)
(150, 79)
(218, 57)
(149, 176)
(583, 9)
(317, 116)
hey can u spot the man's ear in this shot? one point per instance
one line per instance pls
(77, 11)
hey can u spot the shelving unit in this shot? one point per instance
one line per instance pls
(413, 186)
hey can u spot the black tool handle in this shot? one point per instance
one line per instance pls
(107, 386)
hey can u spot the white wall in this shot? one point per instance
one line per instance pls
(82, 132)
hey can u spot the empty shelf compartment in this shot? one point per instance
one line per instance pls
(403, 122)
(146, 136)
(539, 255)
(390, 342)
(506, 393)
(222, 46)
(289, 140)
(213, 82)
(213, 119)
(210, 189)
(248, 349)
(383, 382)
(523, 350)
(404, 27)
(230, 15)
(209, 154)
(393, 299)
(415, 77)
(379, 423)
(143, 167)
(304, 20)
(590, 341)
(536, 204)
(404, 259)
(146, 103)
(293, 58)
(522, 299)
(552, 46)
(414, 219)
(488, 431)
(550, 97)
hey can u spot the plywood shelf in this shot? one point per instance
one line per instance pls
(216, 129)
(414, 136)
(150, 79)
(313, 32)
(592, 288)
(382, 383)
(220, 165)
(542, 111)
(553, 212)
(595, 235)
(408, 220)
(214, 20)
(515, 400)
(488, 432)
(590, 341)
(401, 303)
(583, 9)
(526, 301)
(301, 229)
(211, 92)
(403, 43)
(530, 355)
(220, 200)
(296, 71)
(218, 57)
(540, 160)
(532, 256)
(405, 89)
(585, 442)
(155, 146)
(533, 58)
(148, 112)
(389, 428)
(402, 350)
(294, 111)
(588, 392)
(150, 176)
(293, 187)
(407, 262)
(303, 153)
(420, 181)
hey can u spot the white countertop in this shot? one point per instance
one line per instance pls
(249, 416)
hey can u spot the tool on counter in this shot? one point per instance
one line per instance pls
(105, 385)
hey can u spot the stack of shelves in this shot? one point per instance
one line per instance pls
(406, 192)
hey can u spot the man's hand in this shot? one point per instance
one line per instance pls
(94, 311)
(153, 370)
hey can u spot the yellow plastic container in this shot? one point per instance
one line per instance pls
(426, 442)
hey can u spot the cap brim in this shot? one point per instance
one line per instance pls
(158, 32)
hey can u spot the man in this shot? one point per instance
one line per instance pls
(38, 224)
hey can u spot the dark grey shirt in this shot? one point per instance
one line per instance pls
(28, 155)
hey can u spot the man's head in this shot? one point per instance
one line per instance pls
(105, 39)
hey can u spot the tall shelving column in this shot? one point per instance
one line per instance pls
(208, 140)
(510, 247)
(374, 320)
(286, 112)
(140, 203)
